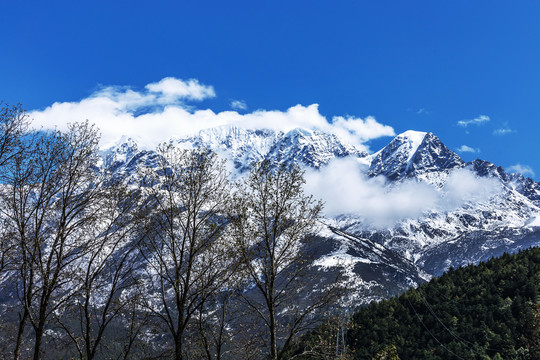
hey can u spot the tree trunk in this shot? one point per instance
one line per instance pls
(273, 340)
(39, 329)
(37, 345)
(20, 333)
(178, 347)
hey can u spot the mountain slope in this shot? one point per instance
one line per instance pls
(477, 312)
(382, 261)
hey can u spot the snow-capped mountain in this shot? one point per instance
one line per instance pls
(472, 232)
(244, 147)
(415, 154)
(380, 262)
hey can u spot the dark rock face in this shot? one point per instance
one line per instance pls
(485, 168)
(413, 153)
(433, 155)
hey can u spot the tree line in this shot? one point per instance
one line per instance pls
(487, 311)
(182, 263)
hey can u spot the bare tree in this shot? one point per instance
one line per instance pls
(275, 221)
(326, 341)
(51, 197)
(185, 248)
(104, 276)
(212, 324)
(219, 318)
(13, 126)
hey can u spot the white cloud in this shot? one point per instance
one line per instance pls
(479, 120)
(503, 131)
(346, 189)
(522, 169)
(465, 148)
(463, 186)
(171, 89)
(158, 113)
(238, 105)
(357, 130)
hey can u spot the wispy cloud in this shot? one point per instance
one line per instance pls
(522, 169)
(465, 148)
(479, 120)
(165, 109)
(239, 105)
(421, 111)
(503, 131)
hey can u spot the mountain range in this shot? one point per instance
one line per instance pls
(473, 210)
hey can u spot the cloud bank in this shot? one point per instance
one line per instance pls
(165, 109)
(346, 189)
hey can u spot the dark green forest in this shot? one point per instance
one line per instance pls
(488, 311)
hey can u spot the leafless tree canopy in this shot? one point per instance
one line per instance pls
(275, 221)
(184, 237)
(51, 200)
(187, 264)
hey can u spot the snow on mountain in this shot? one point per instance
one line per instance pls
(244, 147)
(311, 148)
(379, 262)
(396, 157)
(432, 240)
(415, 154)
(117, 154)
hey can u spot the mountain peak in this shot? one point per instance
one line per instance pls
(414, 137)
(312, 148)
(301, 132)
(413, 153)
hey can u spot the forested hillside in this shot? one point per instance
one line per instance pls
(489, 311)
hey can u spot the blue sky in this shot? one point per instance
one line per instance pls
(422, 65)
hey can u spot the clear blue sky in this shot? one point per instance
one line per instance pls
(422, 65)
